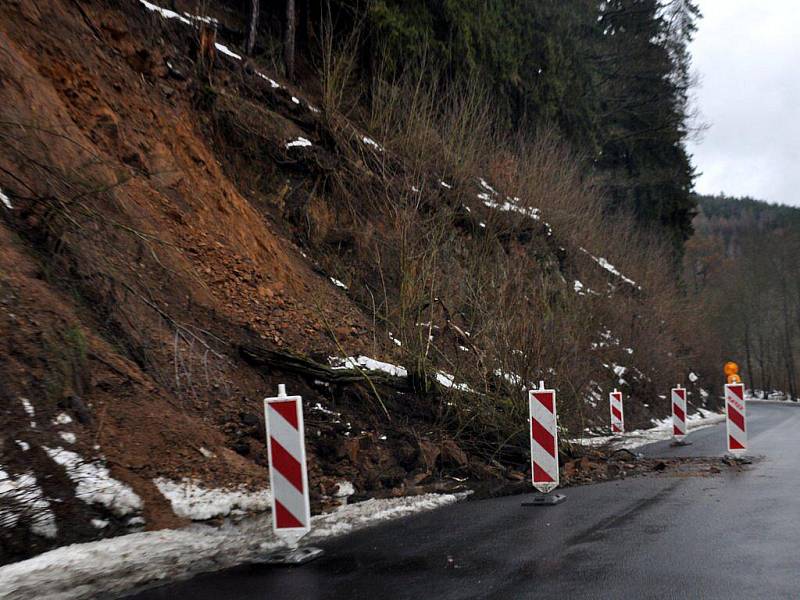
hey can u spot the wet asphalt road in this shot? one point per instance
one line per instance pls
(733, 535)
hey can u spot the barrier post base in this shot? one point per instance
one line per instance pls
(545, 500)
(294, 556)
(736, 459)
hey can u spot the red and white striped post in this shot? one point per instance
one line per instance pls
(617, 412)
(736, 414)
(288, 475)
(678, 413)
(544, 445)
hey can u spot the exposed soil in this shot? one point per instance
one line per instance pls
(133, 266)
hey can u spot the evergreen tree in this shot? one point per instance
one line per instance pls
(612, 76)
(643, 80)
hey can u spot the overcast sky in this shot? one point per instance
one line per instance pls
(747, 55)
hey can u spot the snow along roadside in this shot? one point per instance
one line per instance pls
(116, 565)
(662, 431)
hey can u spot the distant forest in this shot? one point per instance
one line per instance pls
(611, 77)
(742, 264)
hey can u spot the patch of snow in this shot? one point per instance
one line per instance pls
(225, 50)
(202, 19)
(189, 499)
(395, 340)
(295, 100)
(322, 409)
(344, 489)
(300, 142)
(207, 453)
(595, 395)
(486, 186)
(578, 287)
(445, 185)
(186, 18)
(610, 268)
(370, 142)
(100, 523)
(608, 340)
(448, 381)
(338, 283)
(164, 12)
(511, 378)
(509, 206)
(272, 82)
(5, 200)
(25, 446)
(25, 501)
(67, 436)
(113, 566)
(62, 419)
(661, 431)
(135, 521)
(366, 363)
(94, 484)
(28, 407)
(693, 378)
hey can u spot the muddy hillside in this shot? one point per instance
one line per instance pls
(183, 228)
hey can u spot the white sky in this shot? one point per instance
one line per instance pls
(747, 55)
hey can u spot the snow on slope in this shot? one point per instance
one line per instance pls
(610, 268)
(662, 431)
(94, 484)
(24, 499)
(370, 364)
(112, 566)
(5, 200)
(191, 500)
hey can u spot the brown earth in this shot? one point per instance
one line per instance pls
(131, 264)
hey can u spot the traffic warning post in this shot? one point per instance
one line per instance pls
(544, 446)
(617, 412)
(736, 418)
(678, 397)
(288, 476)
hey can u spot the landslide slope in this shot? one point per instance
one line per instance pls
(131, 265)
(181, 232)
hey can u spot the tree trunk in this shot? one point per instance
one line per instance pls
(288, 41)
(748, 355)
(762, 384)
(788, 352)
(262, 356)
(251, 35)
(304, 21)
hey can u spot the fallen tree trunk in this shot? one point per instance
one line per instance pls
(261, 356)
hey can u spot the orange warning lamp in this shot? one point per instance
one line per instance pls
(732, 371)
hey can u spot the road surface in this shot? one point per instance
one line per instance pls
(733, 535)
